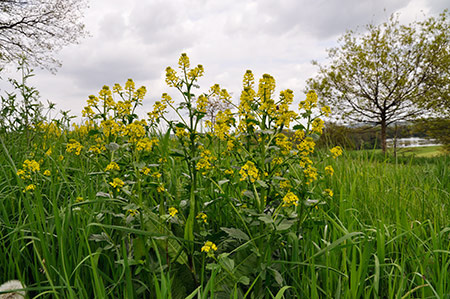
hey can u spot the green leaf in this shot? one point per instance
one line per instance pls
(262, 183)
(280, 293)
(248, 194)
(284, 224)
(226, 262)
(266, 219)
(112, 146)
(221, 182)
(235, 233)
(244, 280)
(176, 153)
(299, 127)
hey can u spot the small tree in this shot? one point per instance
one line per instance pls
(383, 75)
(36, 28)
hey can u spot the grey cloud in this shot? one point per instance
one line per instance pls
(322, 18)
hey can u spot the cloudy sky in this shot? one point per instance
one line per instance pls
(138, 39)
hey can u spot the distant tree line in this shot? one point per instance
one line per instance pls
(368, 137)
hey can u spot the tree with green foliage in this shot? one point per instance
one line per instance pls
(388, 73)
(36, 28)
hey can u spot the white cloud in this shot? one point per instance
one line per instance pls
(138, 39)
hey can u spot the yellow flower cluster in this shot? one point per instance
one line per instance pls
(317, 126)
(203, 217)
(336, 151)
(310, 174)
(159, 108)
(172, 211)
(326, 111)
(74, 146)
(282, 141)
(328, 192)
(113, 166)
(250, 171)
(110, 127)
(206, 160)
(117, 184)
(30, 187)
(329, 170)
(290, 199)
(223, 124)
(145, 170)
(283, 115)
(171, 77)
(135, 131)
(146, 144)
(209, 247)
(160, 189)
(202, 103)
(180, 132)
(306, 146)
(310, 102)
(285, 184)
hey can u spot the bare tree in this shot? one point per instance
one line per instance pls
(38, 28)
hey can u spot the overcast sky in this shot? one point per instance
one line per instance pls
(138, 39)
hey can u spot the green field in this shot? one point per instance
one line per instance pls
(116, 208)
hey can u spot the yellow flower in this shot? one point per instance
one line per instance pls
(202, 103)
(328, 192)
(79, 199)
(203, 217)
(209, 247)
(329, 170)
(145, 170)
(285, 184)
(310, 174)
(30, 187)
(156, 175)
(74, 147)
(229, 171)
(132, 212)
(336, 151)
(47, 172)
(249, 170)
(317, 126)
(172, 211)
(160, 189)
(310, 102)
(326, 110)
(290, 199)
(31, 166)
(117, 183)
(112, 166)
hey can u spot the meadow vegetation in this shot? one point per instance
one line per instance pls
(240, 206)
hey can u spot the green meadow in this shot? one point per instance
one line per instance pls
(247, 208)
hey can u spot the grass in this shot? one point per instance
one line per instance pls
(385, 234)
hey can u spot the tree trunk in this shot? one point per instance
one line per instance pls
(383, 135)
